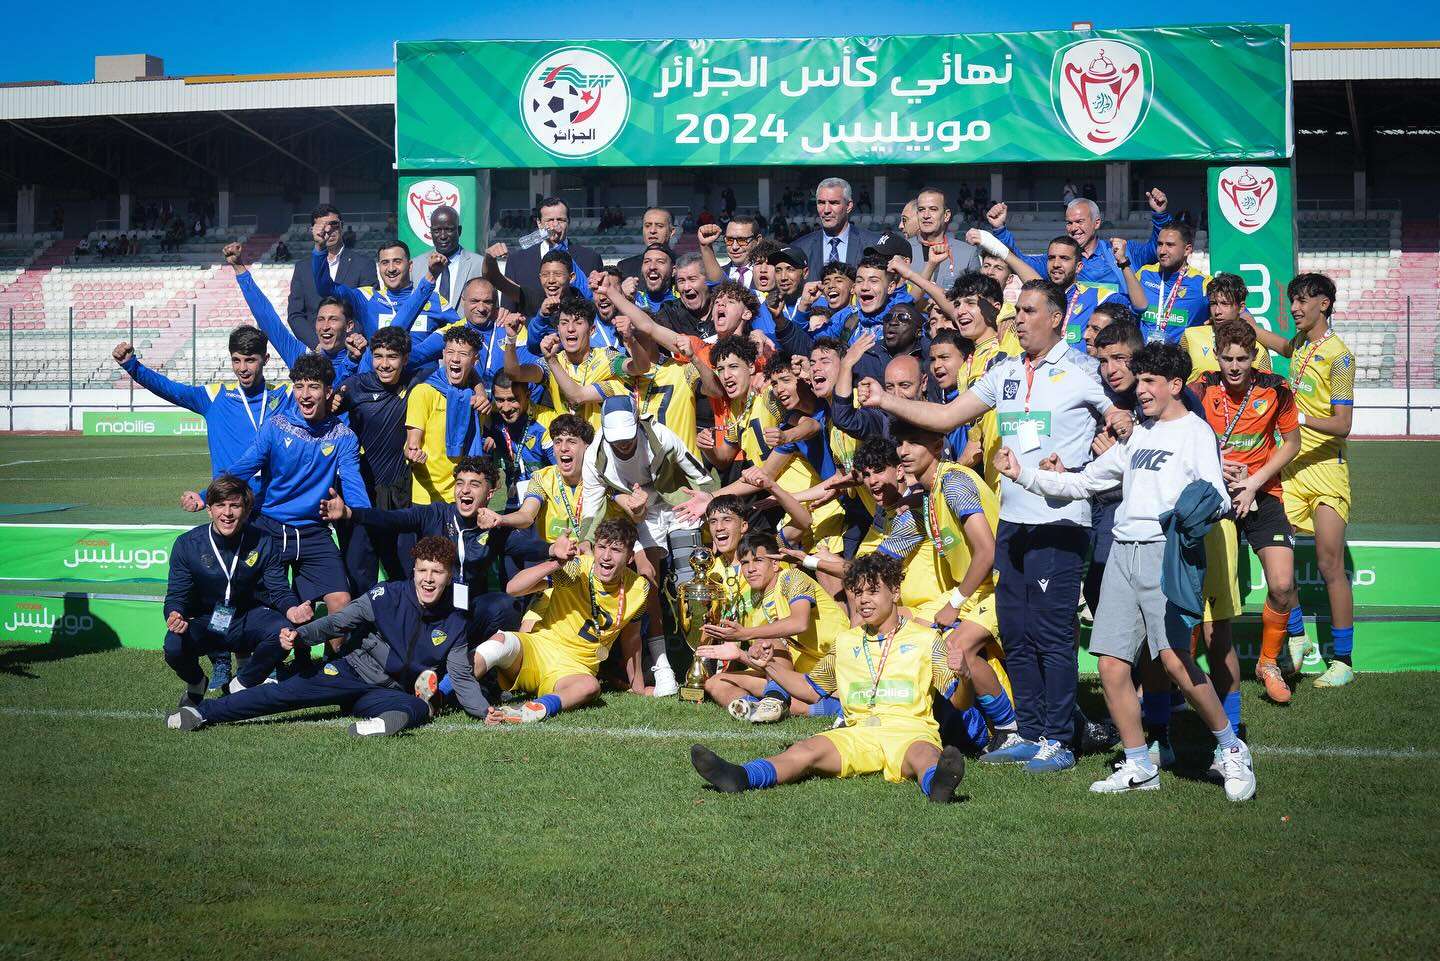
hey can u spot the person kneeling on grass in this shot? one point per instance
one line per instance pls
(592, 600)
(1169, 470)
(885, 671)
(394, 644)
(226, 593)
(787, 608)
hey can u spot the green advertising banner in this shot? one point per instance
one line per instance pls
(1382, 574)
(1252, 233)
(141, 423)
(420, 196)
(1202, 92)
(80, 622)
(83, 552)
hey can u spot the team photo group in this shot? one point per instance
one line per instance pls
(877, 478)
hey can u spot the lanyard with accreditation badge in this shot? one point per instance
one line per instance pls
(1027, 432)
(223, 614)
(1162, 318)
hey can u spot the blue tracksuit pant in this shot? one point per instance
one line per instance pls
(333, 682)
(254, 635)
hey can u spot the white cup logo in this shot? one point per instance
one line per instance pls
(574, 102)
(1101, 92)
(422, 200)
(1247, 197)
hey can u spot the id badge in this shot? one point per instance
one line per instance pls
(1027, 436)
(220, 618)
(462, 596)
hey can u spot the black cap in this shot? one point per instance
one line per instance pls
(662, 248)
(792, 255)
(892, 243)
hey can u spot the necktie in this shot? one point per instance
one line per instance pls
(834, 250)
(444, 286)
(740, 276)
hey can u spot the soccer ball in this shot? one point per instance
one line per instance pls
(558, 105)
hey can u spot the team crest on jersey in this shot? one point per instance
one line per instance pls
(328, 449)
(1100, 91)
(1260, 406)
(437, 637)
(1011, 389)
(331, 670)
(275, 402)
(906, 648)
(1247, 197)
(377, 591)
(252, 559)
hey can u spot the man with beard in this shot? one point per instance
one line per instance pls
(657, 227)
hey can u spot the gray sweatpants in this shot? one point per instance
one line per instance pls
(1133, 610)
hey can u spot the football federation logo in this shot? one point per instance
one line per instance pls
(1101, 91)
(574, 102)
(1247, 197)
(422, 200)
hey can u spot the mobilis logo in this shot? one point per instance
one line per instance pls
(1247, 197)
(125, 427)
(424, 198)
(1101, 91)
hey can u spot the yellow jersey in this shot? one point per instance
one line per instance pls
(597, 368)
(986, 354)
(749, 420)
(736, 603)
(881, 679)
(1322, 377)
(665, 394)
(934, 541)
(1199, 343)
(842, 448)
(585, 617)
(560, 508)
(433, 481)
(826, 617)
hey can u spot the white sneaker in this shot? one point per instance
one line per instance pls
(1239, 773)
(741, 708)
(768, 710)
(1301, 649)
(1129, 776)
(1216, 772)
(665, 683)
(427, 685)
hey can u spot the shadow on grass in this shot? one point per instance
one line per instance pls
(75, 633)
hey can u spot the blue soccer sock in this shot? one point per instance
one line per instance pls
(1295, 623)
(775, 690)
(1344, 640)
(1226, 737)
(761, 773)
(1155, 712)
(925, 780)
(1232, 708)
(998, 711)
(446, 686)
(825, 707)
(975, 728)
(551, 702)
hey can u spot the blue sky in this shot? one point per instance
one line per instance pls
(265, 37)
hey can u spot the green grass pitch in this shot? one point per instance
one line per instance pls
(590, 836)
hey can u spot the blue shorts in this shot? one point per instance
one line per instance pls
(311, 555)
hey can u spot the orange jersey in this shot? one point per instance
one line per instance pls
(1252, 424)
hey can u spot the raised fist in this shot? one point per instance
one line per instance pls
(708, 234)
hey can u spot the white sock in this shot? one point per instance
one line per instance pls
(370, 725)
(234, 687)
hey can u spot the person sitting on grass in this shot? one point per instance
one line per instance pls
(593, 600)
(391, 647)
(227, 591)
(795, 615)
(885, 673)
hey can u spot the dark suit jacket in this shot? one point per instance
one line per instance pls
(355, 270)
(815, 247)
(523, 267)
(630, 266)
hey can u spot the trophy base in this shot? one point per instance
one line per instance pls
(692, 695)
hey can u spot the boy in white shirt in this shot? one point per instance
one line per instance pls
(1168, 450)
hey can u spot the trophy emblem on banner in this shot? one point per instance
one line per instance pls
(1247, 197)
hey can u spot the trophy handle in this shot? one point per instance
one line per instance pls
(1070, 72)
(1133, 71)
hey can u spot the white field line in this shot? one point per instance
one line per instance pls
(657, 734)
(63, 460)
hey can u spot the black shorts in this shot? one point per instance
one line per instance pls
(1266, 525)
(310, 554)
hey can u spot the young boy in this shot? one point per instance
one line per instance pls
(1317, 482)
(787, 608)
(593, 600)
(334, 322)
(391, 647)
(1247, 409)
(584, 365)
(520, 437)
(1170, 457)
(886, 671)
(441, 424)
(552, 502)
(1226, 295)
(301, 452)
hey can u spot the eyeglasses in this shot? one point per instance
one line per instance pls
(738, 241)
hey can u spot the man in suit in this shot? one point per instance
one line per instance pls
(462, 264)
(523, 266)
(348, 267)
(837, 238)
(658, 227)
(932, 218)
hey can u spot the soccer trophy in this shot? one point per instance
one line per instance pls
(699, 603)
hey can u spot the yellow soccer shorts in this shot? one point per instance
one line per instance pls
(1312, 485)
(544, 661)
(865, 750)
(1221, 586)
(827, 528)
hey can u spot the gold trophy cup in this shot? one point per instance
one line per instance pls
(699, 603)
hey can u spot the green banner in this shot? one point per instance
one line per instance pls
(1382, 574)
(1252, 233)
(89, 553)
(79, 622)
(142, 423)
(1202, 92)
(420, 196)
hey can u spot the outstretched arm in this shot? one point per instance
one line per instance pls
(286, 344)
(181, 395)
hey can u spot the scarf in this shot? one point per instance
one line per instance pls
(462, 424)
